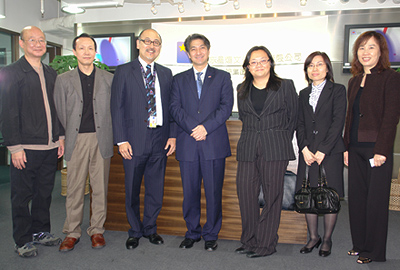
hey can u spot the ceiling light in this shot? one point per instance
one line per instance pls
(236, 4)
(80, 7)
(396, 1)
(303, 3)
(344, 1)
(363, 1)
(207, 7)
(72, 9)
(268, 3)
(181, 8)
(381, 1)
(153, 9)
(215, 2)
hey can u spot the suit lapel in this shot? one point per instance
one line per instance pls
(249, 103)
(97, 82)
(324, 96)
(307, 102)
(191, 82)
(138, 75)
(208, 79)
(270, 97)
(76, 82)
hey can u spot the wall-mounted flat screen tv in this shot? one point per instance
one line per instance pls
(391, 31)
(115, 49)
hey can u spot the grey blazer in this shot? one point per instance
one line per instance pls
(68, 100)
(274, 126)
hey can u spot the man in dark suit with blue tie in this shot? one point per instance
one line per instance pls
(140, 95)
(201, 102)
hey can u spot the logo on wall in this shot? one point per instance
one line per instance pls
(181, 55)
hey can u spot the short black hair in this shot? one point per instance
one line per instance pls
(84, 35)
(192, 37)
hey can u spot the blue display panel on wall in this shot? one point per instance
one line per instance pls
(391, 31)
(115, 49)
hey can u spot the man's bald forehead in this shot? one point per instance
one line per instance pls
(29, 28)
(149, 30)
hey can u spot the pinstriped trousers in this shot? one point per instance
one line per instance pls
(260, 230)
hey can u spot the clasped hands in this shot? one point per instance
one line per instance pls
(126, 152)
(199, 133)
(310, 158)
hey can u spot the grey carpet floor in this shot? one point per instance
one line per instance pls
(169, 256)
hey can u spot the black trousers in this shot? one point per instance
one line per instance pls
(150, 165)
(260, 230)
(369, 191)
(31, 190)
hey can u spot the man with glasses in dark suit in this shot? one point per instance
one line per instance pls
(139, 108)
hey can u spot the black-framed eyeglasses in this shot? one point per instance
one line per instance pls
(155, 42)
(262, 62)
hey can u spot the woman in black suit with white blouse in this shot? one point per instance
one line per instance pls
(268, 110)
(322, 111)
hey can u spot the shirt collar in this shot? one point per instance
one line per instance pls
(144, 64)
(319, 87)
(83, 75)
(204, 71)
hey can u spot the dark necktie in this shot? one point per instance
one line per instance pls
(151, 94)
(199, 83)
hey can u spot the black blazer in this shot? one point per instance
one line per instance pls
(129, 102)
(322, 130)
(274, 126)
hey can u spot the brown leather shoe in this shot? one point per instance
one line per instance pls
(98, 240)
(68, 244)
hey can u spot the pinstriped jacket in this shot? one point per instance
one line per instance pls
(274, 126)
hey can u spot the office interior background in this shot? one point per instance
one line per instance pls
(290, 29)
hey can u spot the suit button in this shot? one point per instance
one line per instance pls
(258, 132)
(258, 119)
(313, 121)
(198, 111)
(80, 115)
(361, 115)
(76, 129)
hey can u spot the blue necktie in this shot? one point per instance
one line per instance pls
(199, 83)
(151, 93)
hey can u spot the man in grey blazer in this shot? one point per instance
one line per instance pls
(82, 99)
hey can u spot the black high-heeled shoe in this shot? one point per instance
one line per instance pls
(325, 253)
(306, 249)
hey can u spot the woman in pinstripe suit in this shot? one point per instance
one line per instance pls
(322, 110)
(267, 108)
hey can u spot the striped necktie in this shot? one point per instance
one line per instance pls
(199, 83)
(151, 93)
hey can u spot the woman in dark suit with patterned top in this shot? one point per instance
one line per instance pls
(370, 130)
(267, 108)
(322, 111)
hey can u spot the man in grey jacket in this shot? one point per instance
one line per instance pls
(82, 99)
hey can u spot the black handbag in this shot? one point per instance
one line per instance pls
(319, 200)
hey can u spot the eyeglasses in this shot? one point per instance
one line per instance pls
(155, 42)
(263, 62)
(318, 65)
(33, 41)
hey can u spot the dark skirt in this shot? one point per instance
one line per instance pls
(334, 172)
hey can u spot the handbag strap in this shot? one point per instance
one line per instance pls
(322, 177)
(306, 180)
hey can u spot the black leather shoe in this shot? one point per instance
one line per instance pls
(211, 245)
(188, 243)
(154, 239)
(325, 253)
(132, 242)
(242, 250)
(252, 254)
(306, 250)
